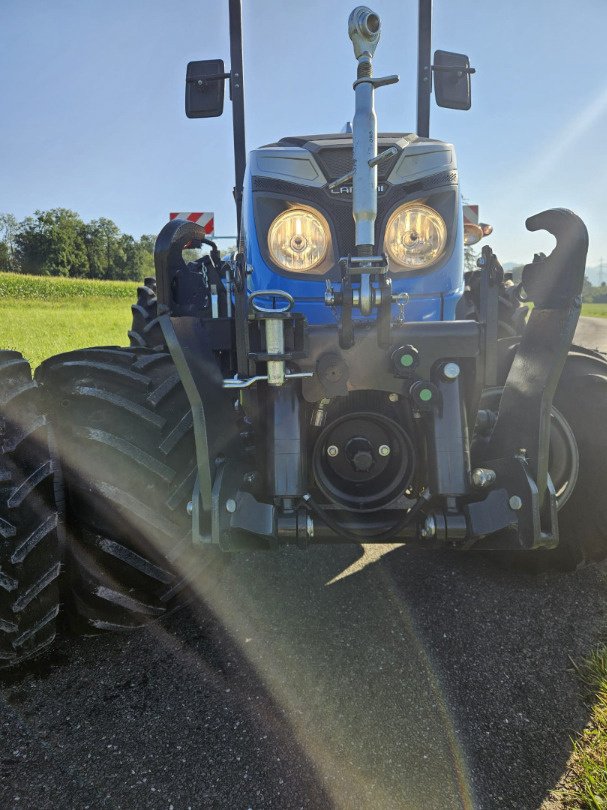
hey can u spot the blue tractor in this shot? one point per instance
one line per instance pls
(339, 377)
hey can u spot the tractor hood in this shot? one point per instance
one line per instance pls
(315, 160)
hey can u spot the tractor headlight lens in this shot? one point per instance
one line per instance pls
(298, 240)
(416, 236)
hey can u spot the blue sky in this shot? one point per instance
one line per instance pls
(91, 93)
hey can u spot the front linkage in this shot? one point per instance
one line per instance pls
(405, 469)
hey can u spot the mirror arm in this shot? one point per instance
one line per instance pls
(451, 69)
(201, 81)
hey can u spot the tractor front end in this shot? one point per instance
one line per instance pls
(320, 385)
(335, 342)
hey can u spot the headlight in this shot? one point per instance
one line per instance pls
(298, 240)
(416, 236)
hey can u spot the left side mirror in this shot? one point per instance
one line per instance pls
(204, 85)
(452, 73)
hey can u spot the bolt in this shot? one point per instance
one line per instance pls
(429, 528)
(515, 503)
(451, 371)
(384, 450)
(189, 508)
(332, 450)
(231, 505)
(393, 397)
(482, 478)
(249, 477)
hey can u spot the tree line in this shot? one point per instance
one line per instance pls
(59, 243)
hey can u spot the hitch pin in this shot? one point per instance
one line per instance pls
(402, 299)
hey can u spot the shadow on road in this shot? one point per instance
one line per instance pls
(339, 677)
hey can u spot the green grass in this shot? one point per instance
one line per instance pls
(585, 785)
(56, 288)
(42, 316)
(595, 310)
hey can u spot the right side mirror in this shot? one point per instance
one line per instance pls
(204, 85)
(452, 73)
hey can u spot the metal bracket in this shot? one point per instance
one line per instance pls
(188, 344)
(450, 69)
(201, 81)
(379, 82)
(555, 285)
(355, 265)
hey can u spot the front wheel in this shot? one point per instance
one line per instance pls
(577, 466)
(125, 432)
(30, 547)
(582, 398)
(145, 331)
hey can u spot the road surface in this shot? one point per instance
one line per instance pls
(592, 333)
(340, 677)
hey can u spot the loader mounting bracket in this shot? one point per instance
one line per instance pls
(522, 427)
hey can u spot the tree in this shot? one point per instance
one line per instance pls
(470, 257)
(59, 243)
(104, 248)
(52, 243)
(146, 245)
(8, 231)
(5, 262)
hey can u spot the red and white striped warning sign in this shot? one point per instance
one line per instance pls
(471, 214)
(204, 218)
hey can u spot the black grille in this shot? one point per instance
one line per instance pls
(442, 179)
(334, 162)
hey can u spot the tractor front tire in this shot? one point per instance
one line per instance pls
(30, 549)
(512, 315)
(145, 329)
(124, 428)
(581, 398)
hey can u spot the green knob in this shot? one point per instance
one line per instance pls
(406, 360)
(425, 395)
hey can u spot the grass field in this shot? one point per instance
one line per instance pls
(595, 310)
(42, 316)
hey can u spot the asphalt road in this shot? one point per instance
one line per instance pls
(341, 677)
(592, 333)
